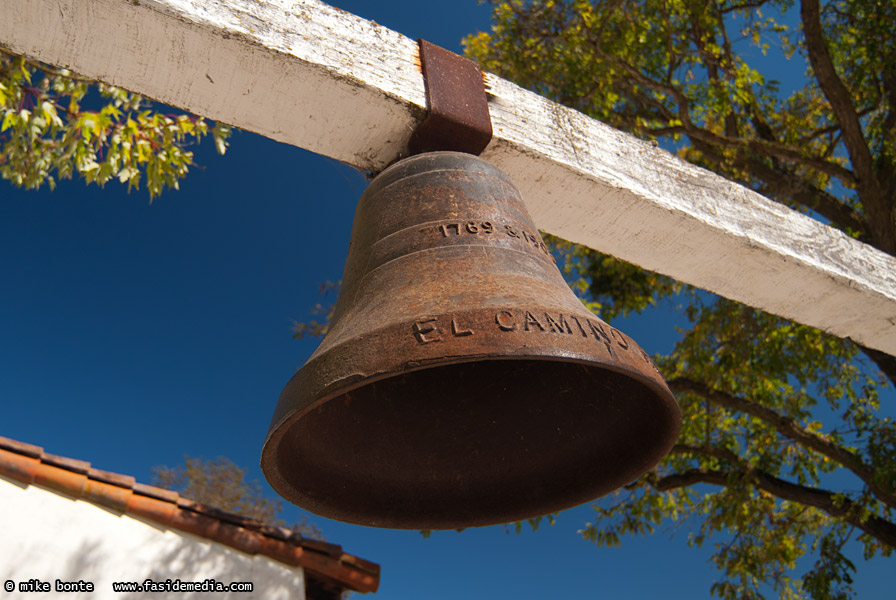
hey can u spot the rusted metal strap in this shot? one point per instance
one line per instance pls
(458, 117)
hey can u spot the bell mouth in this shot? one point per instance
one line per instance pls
(471, 443)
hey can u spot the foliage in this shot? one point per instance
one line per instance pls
(784, 454)
(319, 321)
(679, 70)
(222, 484)
(46, 134)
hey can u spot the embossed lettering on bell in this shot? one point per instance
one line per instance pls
(461, 382)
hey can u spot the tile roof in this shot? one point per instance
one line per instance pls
(325, 564)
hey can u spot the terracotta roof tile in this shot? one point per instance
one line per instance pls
(125, 481)
(169, 496)
(326, 563)
(69, 464)
(152, 509)
(23, 448)
(68, 482)
(19, 467)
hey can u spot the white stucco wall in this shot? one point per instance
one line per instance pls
(48, 536)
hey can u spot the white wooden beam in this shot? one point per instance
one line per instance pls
(307, 74)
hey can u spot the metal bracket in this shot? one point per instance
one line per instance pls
(458, 117)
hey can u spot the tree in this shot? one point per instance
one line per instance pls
(755, 470)
(46, 134)
(222, 484)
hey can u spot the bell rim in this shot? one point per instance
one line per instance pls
(663, 400)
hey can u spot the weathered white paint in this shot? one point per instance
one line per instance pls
(49, 536)
(311, 75)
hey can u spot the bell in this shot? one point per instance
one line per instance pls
(461, 382)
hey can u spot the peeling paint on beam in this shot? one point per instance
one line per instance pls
(310, 75)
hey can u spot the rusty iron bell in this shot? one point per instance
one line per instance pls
(461, 382)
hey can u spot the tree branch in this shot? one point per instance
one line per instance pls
(770, 148)
(833, 128)
(788, 189)
(889, 91)
(50, 69)
(784, 186)
(713, 65)
(789, 428)
(708, 450)
(880, 219)
(773, 149)
(744, 5)
(885, 362)
(827, 502)
(760, 146)
(835, 91)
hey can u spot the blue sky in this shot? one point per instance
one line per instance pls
(134, 334)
